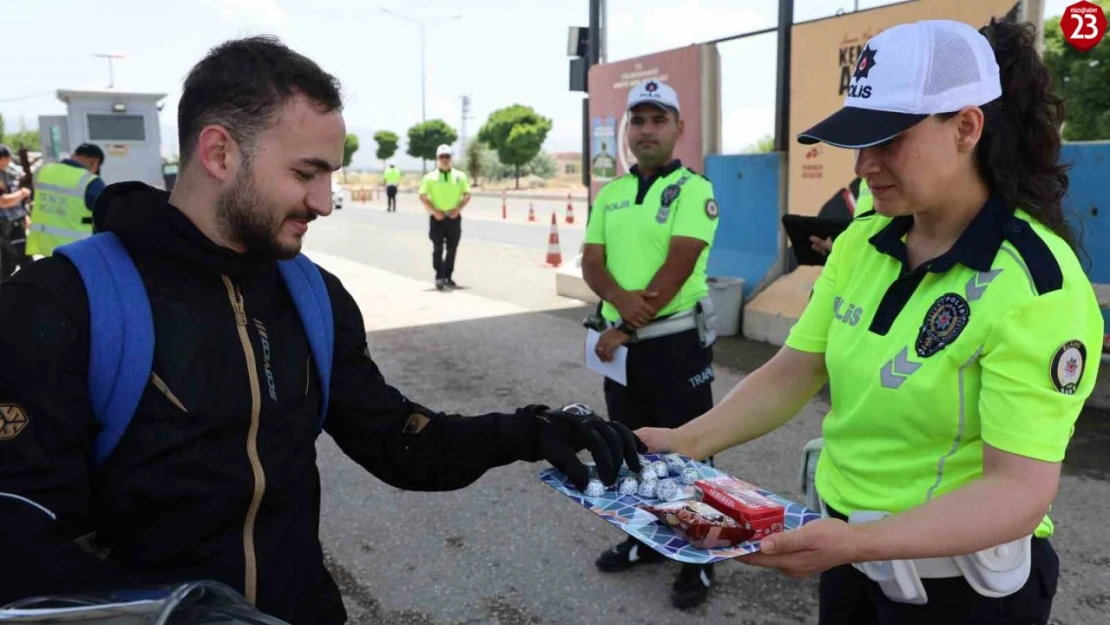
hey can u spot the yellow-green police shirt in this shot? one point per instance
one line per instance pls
(635, 219)
(996, 342)
(445, 189)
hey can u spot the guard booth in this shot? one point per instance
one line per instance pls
(124, 124)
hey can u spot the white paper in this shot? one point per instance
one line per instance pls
(616, 369)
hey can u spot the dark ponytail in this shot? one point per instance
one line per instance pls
(1019, 152)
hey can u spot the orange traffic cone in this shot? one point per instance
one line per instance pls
(570, 210)
(504, 208)
(554, 254)
(531, 212)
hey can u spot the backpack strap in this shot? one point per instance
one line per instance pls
(121, 334)
(310, 296)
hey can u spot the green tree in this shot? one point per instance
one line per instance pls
(425, 137)
(2, 130)
(387, 145)
(543, 165)
(762, 146)
(472, 159)
(350, 146)
(25, 138)
(1082, 79)
(517, 133)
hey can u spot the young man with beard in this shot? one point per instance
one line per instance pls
(215, 475)
(647, 246)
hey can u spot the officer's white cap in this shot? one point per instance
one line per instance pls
(443, 149)
(653, 92)
(907, 73)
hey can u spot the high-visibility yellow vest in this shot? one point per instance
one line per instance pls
(59, 214)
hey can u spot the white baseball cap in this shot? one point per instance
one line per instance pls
(907, 73)
(653, 92)
(443, 149)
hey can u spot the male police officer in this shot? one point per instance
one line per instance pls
(444, 192)
(647, 244)
(391, 176)
(65, 194)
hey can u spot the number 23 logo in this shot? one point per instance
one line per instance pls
(1083, 25)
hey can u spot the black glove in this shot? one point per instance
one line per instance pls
(563, 432)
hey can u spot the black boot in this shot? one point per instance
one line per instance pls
(627, 555)
(692, 586)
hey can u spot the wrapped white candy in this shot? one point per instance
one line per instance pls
(667, 490)
(690, 475)
(628, 486)
(647, 488)
(595, 488)
(660, 468)
(675, 463)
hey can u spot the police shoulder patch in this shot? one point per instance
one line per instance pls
(12, 421)
(711, 209)
(1067, 368)
(944, 322)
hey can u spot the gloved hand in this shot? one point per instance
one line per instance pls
(563, 432)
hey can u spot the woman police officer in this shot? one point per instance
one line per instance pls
(957, 331)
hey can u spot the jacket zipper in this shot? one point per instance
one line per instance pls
(251, 561)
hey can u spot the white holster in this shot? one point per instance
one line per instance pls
(995, 572)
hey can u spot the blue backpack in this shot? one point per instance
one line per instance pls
(121, 330)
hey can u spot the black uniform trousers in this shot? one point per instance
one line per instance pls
(445, 235)
(848, 597)
(391, 198)
(669, 383)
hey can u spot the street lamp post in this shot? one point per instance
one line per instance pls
(422, 24)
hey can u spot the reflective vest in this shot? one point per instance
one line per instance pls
(59, 214)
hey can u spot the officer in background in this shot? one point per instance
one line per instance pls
(647, 245)
(444, 193)
(13, 217)
(65, 194)
(391, 176)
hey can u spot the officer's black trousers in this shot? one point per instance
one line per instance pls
(848, 597)
(391, 198)
(445, 234)
(669, 383)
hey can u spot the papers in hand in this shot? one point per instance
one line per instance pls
(616, 369)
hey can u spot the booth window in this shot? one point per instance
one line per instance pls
(117, 128)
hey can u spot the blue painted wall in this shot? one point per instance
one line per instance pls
(1087, 204)
(747, 190)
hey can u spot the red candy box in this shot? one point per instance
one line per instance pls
(701, 525)
(742, 502)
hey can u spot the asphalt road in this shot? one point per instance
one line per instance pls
(510, 551)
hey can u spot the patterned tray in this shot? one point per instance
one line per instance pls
(622, 511)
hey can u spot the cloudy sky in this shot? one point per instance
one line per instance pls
(496, 51)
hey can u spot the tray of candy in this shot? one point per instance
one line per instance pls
(623, 511)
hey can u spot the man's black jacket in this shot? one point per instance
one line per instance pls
(216, 475)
